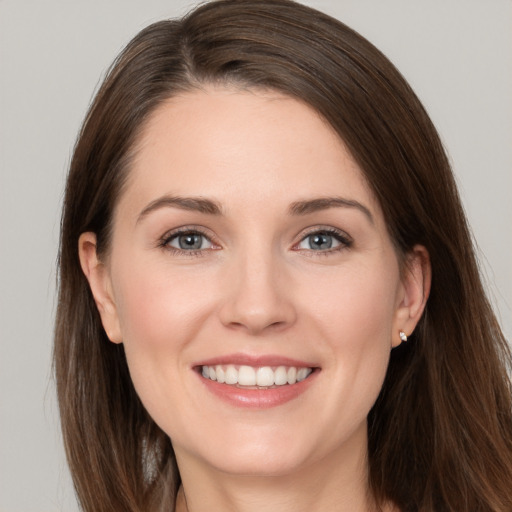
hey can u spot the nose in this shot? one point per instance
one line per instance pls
(258, 296)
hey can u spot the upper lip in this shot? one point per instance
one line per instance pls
(255, 361)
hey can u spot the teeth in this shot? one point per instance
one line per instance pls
(281, 376)
(302, 373)
(221, 376)
(231, 375)
(246, 376)
(263, 376)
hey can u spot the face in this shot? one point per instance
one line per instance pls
(252, 282)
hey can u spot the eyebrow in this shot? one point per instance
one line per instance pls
(324, 203)
(210, 207)
(196, 204)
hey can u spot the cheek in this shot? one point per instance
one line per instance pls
(357, 305)
(160, 311)
(355, 316)
(159, 307)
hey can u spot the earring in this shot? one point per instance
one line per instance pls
(403, 336)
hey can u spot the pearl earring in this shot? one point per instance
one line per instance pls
(403, 336)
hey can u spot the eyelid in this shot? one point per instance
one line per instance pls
(341, 236)
(164, 240)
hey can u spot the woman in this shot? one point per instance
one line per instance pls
(268, 293)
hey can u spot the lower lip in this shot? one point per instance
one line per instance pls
(258, 398)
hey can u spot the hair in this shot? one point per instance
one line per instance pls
(440, 432)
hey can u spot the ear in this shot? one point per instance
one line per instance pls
(413, 294)
(100, 283)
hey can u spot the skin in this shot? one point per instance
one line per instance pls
(257, 286)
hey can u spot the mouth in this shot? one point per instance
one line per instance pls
(256, 382)
(255, 377)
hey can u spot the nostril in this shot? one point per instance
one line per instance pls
(257, 326)
(257, 316)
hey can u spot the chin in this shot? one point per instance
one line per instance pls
(259, 453)
(259, 464)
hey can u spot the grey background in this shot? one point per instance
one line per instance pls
(456, 55)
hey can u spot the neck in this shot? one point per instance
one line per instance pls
(336, 482)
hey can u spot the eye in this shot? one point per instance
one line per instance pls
(324, 240)
(188, 241)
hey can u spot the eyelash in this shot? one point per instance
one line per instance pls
(186, 230)
(340, 236)
(344, 240)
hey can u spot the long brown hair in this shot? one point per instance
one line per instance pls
(440, 433)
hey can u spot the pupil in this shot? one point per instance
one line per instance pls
(190, 241)
(320, 241)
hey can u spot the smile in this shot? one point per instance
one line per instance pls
(256, 382)
(255, 377)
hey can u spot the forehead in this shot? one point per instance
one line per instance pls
(242, 147)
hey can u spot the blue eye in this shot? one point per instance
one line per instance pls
(323, 241)
(189, 241)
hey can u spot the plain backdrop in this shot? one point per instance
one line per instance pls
(455, 54)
